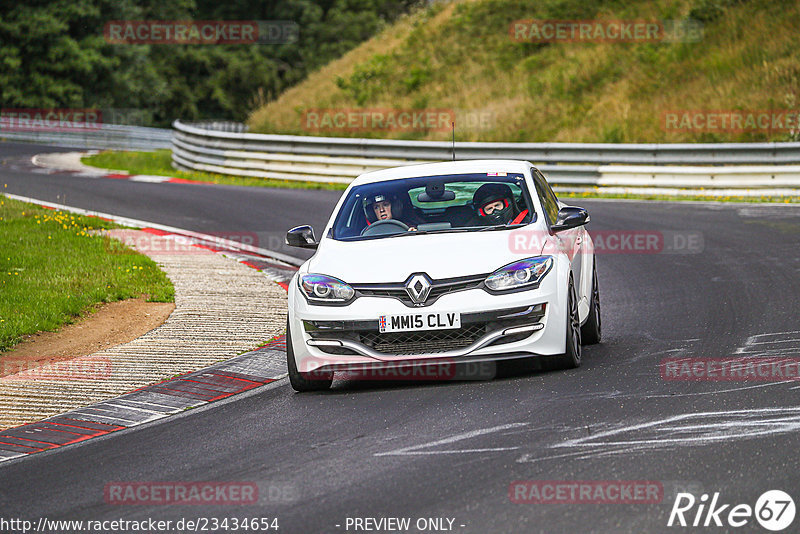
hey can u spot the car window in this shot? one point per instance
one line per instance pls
(547, 197)
(434, 204)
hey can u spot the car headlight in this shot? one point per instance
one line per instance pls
(323, 289)
(520, 274)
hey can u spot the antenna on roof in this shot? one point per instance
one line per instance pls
(453, 126)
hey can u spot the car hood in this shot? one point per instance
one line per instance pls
(438, 255)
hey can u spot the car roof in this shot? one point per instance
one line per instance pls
(444, 167)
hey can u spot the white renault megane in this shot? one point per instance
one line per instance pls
(467, 261)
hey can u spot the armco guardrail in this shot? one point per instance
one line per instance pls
(115, 136)
(333, 159)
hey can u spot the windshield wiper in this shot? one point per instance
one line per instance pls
(500, 227)
(426, 232)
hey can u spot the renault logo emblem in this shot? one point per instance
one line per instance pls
(418, 288)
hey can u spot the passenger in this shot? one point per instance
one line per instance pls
(494, 205)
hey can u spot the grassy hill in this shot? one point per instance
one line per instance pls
(460, 56)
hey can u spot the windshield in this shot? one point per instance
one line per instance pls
(434, 204)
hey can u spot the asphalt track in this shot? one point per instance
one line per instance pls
(452, 449)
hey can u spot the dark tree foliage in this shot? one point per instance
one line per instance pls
(53, 54)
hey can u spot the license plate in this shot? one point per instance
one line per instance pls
(410, 322)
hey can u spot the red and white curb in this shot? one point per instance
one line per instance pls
(70, 163)
(237, 375)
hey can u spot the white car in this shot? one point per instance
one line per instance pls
(463, 261)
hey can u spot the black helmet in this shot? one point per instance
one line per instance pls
(490, 193)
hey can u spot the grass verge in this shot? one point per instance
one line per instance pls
(460, 56)
(53, 270)
(159, 163)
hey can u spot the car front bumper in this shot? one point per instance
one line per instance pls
(493, 327)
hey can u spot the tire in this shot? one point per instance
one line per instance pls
(316, 381)
(572, 357)
(591, 331)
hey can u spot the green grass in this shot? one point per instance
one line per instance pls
(53, 270)
(459, 56)
(159, 163)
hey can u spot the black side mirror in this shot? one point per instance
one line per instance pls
(570, 217)
(301, 236)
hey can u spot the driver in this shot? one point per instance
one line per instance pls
(381, 207)
(494, 204)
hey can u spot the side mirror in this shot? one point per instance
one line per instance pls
(301, 236)
(570, 217)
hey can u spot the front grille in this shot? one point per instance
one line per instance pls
(474, 326)
(427, 342)
(438, 288)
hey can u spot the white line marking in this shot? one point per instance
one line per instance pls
(409, 451)
(757, 340)
(714, 392)
(677, 431)
(774, 341)
(136, 408)
(744, 426)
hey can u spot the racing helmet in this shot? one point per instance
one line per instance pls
(488, 193)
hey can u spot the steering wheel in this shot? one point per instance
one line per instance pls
(385, 227)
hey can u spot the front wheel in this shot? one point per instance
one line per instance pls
(591, 331)
(313, 381)
(572, 356)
